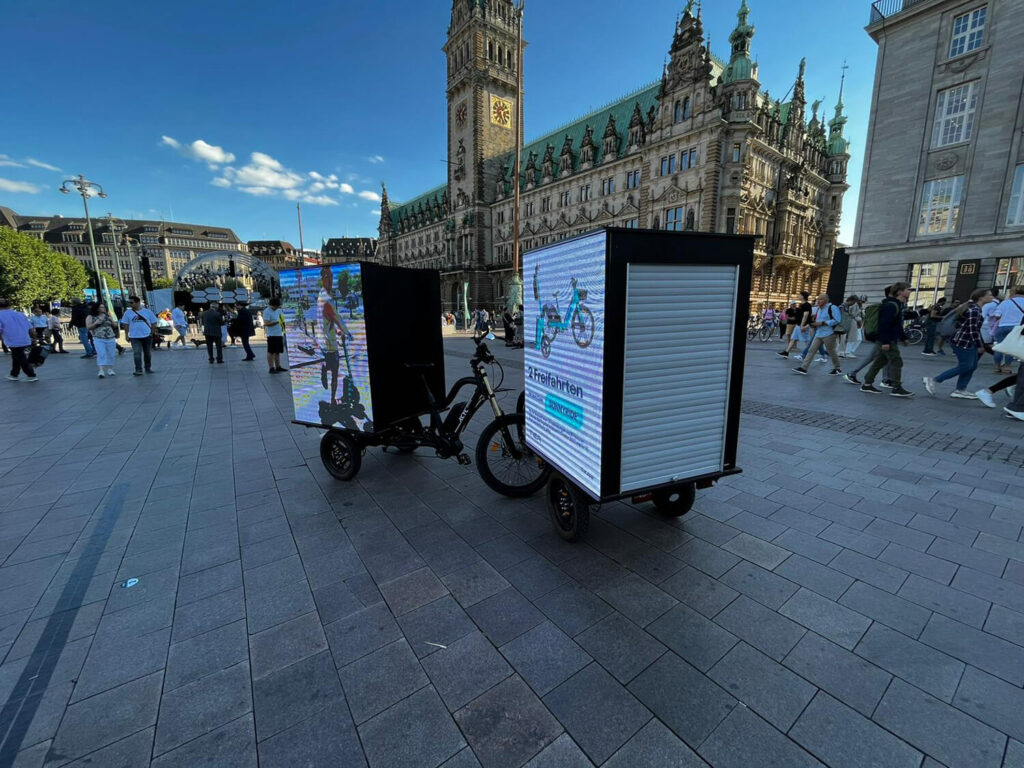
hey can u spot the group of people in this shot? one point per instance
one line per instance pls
(970, 329)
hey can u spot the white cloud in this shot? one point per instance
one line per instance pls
(6, 185)
(40, 164)
(376, 159)
(346, 188)
(368, 195)
(263, 171)
(319, 200)
(200, 150)
(7, 161)
(221, 182)
(257, 191)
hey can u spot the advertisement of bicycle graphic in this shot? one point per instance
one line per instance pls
(551, 321)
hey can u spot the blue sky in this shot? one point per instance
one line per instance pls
(221, 112)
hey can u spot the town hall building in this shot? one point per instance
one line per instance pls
(702, 148)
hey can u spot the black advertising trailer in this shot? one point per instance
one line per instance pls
(635, 349)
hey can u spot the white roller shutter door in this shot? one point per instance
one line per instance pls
(679, 331)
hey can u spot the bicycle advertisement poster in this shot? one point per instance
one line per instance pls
(325, 328)
(564, 355)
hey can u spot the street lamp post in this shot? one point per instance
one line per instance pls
(117, 255)
(128, 240)
(85, 189)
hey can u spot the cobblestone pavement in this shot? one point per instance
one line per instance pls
(846, 601)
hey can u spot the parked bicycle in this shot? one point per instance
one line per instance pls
(504, 461)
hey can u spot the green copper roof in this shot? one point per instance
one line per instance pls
(400, 210)
(622, 110)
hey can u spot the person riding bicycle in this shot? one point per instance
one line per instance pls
(329, 324)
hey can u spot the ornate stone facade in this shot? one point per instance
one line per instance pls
(703, 148)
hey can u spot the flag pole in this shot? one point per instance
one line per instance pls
(302, 252)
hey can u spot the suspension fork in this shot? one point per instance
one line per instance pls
(506, 433)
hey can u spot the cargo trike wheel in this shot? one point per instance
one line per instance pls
(505, 462)
(341, 455)
(569, 508)
(675, 502)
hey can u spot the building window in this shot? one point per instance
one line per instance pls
(968, 32)
(737, 149)
(688, 159)
(584, 193)
(632, 224)
(678, 116)
(563, 199)
(501, 217)
(940, 206)
(835, 202)
(608, 186)
(730, 221)
(530, 209)
(668, 165)
(1010, 273)
(674, 219)
(927, 283)
(954, 115)
(1015, 214)
(545, 204)
(632, 179)
(686, 108)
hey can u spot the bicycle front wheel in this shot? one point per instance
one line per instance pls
(915, 336)
(583, 327)
(505, 462)
(766, 333)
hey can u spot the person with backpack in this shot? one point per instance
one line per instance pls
(888, 334)
(825, 318)
(1008, 315)
(967, 344)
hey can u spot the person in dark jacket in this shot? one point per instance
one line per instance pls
(79, 313)
(887, 342)
(246, 329)
(212, 321)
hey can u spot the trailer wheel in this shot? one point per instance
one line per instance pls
(569, 508)
(545, 346)
(341, 455)
(675, 502)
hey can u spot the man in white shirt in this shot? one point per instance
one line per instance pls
(273, 321)
(180, 323)
(139, 323)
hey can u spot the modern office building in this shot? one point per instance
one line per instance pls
(168, 245)
(942, 195)
(703, 147)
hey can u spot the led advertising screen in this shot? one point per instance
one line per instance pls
(325, 330)
(564, 299)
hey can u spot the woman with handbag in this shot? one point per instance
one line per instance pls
(104, 332)
(1008, 315)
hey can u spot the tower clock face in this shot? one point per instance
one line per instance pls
(460, 114)
(501, 112)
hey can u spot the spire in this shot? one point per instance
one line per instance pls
(740, 66)
(837, 143)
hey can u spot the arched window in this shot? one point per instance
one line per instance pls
(678, 112)
(686, 108)
(490, 50)
(501, 54)
(508, 58)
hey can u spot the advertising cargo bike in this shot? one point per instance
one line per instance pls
(634, 367)
(366, 361)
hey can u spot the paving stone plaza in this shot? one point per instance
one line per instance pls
(855, 598)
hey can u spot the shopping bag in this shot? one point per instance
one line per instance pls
(1013, 344)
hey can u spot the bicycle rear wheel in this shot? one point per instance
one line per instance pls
(915, 336)
(505, 462)
(766, 333)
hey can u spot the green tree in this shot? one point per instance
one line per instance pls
(163, 282)
(25, 275)
(112, 282)
(75, 277)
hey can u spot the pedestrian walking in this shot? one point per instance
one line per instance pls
(855, 336)
(1009, 314)
(56, 331)
(889, 336)
(1015, 409)
(783, 323)
(79, 312)
(16, 331)
(246, 330)
(931, 324)
(801, 328)
(139, 324)
(40, 323)
(105, 332)
(825, 317)
(967, 344)
(180, 324)
(213, 326)
(273, 322)
(989, 322)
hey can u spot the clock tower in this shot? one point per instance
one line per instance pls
(482, 109)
